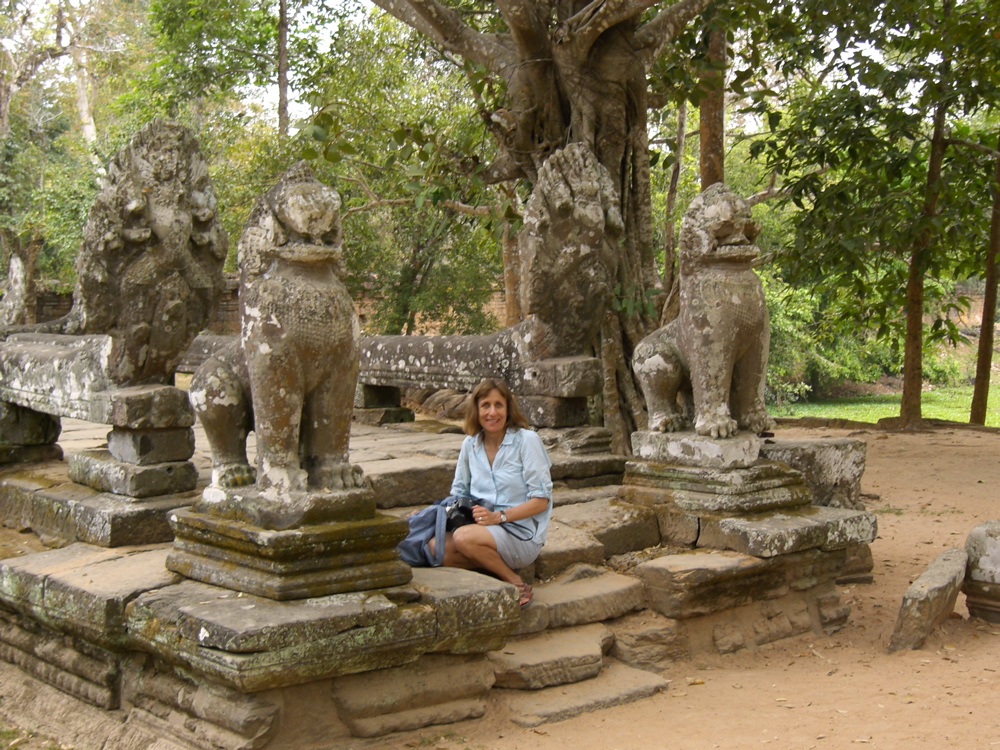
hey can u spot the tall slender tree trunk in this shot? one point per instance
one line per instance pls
(669, 240)
(913, 374)
(984, 358)
(713, 112)
(83, 109)
(6, 94)
(511, 278)
(283, 67)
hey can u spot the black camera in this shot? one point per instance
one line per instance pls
(459, 513)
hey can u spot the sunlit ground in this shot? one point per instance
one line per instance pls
(950, 403)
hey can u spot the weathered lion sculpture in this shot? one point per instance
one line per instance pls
(291, 376)
(714, 354)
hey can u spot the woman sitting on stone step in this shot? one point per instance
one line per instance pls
(504, 466)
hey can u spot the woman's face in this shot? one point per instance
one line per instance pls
(493, 413)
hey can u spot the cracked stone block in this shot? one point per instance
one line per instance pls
(566, 546)
(772, 534)
(585, 594)
(648, 640)
(620, 527)
(145, 447)
(700, 582)
(766, 536)
(832, 467)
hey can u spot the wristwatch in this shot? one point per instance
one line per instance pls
(503, 516)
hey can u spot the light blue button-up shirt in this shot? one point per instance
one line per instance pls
(520, 471)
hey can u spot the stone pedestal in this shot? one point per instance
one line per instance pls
(379, 404)
(691, 449)
(305, 545)
(733, 500)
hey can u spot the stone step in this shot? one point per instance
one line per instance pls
(614, 686)
(549, 658)
(773, 534)
(595, 470)
(583, 594)
(566, 546)
(566, 496)
(618, 526)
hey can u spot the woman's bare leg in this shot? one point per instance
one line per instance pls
(471, 547)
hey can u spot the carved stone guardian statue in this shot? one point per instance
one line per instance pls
(714, 354)
(290, 378)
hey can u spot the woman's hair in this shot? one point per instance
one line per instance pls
(514, 416)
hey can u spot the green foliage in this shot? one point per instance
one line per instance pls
(246, 156)
(47, 187)
(398, 128)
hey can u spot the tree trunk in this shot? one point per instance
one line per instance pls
(511, 278)
(670, 286)
(913, 376)
(984, 358)
(20, 303)
(713, 112)
(83, 109)
(283, 67)
(6, 93)
(576, 74)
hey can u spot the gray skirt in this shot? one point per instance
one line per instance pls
(515, 552)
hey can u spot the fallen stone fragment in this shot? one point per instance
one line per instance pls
(929, 600)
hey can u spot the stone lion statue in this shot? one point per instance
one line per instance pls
(710, 362)
(292, 374)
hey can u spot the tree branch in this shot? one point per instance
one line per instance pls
(34, 61)
(528, 27)
(973, 145)
(443, 26)
(667, 24)
(375, 201)
(583, 29)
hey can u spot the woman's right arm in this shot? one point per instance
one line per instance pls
(461, 485)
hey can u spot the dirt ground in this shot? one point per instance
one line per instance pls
(841, 691)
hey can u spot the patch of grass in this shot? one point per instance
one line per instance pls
(951, 403)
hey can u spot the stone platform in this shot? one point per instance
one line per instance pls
(162, 662)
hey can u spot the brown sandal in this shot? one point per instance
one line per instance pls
(526, 594)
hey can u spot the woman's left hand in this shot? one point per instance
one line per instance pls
(485, 517)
